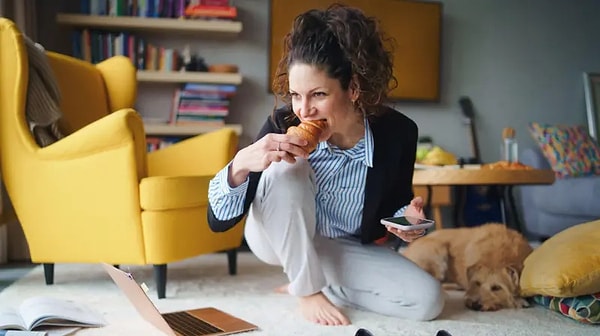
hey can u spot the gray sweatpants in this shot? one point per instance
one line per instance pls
(280, 230)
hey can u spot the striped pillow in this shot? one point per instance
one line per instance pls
(584, 308)
(570, 150)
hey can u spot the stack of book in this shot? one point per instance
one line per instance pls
(95, 46)
(201, 104)
(211, 9)
(142, 8)
(205, 9)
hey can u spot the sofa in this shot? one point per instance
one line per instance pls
(549, 209)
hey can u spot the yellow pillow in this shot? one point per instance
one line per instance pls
(566, 265)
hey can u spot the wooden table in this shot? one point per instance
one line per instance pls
(505, 179)
(435, 198)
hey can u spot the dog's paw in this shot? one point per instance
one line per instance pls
(523, 303)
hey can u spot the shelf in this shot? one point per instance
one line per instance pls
(189, 77)
(165, 129)
(149, 24)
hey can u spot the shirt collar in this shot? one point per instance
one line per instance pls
(369, 145)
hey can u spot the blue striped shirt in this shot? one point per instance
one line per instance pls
(340, 177)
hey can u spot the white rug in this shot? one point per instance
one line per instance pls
(203, 281)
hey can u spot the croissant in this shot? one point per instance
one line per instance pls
(309, 130)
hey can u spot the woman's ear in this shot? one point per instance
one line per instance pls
(354, 89)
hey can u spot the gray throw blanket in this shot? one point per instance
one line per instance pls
(43, 97)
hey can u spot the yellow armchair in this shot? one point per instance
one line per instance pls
(96, 195)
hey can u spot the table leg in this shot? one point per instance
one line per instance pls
(427, 207)
(503, 215)
(459, 206)
(431, 211)
(510, 217)
(513, 209)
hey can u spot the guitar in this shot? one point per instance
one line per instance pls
(476, 205)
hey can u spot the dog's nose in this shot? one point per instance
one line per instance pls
(475, 305)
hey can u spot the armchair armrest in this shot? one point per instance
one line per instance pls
(115, 130)
(161, 193)
(204, 154)
(120, 79)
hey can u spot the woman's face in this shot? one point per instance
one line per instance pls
(317, 96)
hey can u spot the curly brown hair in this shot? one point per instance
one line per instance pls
(346, 44)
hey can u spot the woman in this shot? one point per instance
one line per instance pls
(317, 214)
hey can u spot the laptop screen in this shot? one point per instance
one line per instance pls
(138, 298)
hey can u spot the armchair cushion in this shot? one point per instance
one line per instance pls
(570, 150)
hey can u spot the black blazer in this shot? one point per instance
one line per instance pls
(389, 181)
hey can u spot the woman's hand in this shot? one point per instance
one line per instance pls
(415, 209)
(259, 155)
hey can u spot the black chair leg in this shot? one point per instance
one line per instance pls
(232, 261)
(49, 273)
(160, 277)
(116, 266)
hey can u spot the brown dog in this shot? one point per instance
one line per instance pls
(486, 261)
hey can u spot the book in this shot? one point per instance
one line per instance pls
(54, 331)
(42, 311)
(22, 333)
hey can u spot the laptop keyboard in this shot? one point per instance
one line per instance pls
(188, 325)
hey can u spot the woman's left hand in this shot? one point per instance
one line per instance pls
(415, 209)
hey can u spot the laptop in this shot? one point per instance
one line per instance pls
(203, 321)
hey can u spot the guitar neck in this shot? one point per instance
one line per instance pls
(474, 143)
(469, 113)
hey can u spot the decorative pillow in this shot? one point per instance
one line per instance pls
(570, 150)
(566, 265)
(584, 308)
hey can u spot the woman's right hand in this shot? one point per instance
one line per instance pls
(259, 155)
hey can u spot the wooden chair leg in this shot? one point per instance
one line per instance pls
(160, 277)
(437, 216)
(232, 261)
(49, 273)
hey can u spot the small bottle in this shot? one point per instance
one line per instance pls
(510, 148)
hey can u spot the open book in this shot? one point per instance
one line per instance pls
(41, 311)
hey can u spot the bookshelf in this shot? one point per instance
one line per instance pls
(188, 77)
(134, 23)
(172, 130)
(167, 26)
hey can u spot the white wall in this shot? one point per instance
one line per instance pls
(519, 61)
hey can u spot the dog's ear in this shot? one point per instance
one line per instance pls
(471, 270)
(514, 272)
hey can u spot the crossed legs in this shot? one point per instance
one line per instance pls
(280, 230)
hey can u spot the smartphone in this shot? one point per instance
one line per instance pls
(407, 223)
